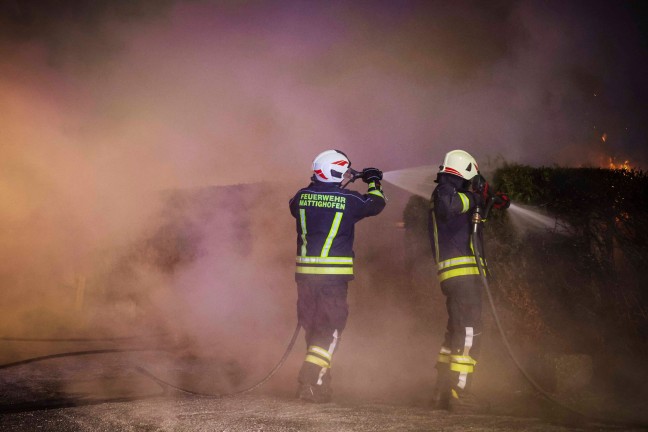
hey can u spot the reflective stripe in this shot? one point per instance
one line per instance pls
(316, 360)
(464, 201)
(462, 363)
(463, 380)
(330, 351)
(332, 233)
(458, 272)
(456, 367)
(468, 342)
(302, 219)
(457, 261)
(324, 260)
(324, 270)
(373, 190)
(463, 359)
(320, 351)
(436, 235)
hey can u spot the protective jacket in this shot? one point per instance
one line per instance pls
(325, 217)
(451, 209)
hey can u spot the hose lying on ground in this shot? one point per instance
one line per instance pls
(117, 338)
(237, 392)
(74, 354)
(145, 371)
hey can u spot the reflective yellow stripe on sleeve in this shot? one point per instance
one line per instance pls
(325, 270)
(464, 201)
(324, 260)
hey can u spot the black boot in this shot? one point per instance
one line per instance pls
(441, 394)
(465, 402)
(313, 393)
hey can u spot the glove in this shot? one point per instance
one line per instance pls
(371, 175)
(481, 187)
(501, 201)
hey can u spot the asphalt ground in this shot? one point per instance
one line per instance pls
(74, 394)
(263, 413)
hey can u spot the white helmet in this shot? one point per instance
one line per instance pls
(330, 166)
(459, 163)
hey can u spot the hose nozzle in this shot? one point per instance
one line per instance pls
(476, 218)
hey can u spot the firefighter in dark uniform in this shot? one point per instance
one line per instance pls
(460, 190)
(325, 216)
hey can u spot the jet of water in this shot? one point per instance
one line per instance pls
(526, 219)
(418, 180)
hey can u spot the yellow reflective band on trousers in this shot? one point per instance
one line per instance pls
(457, 261)
(324, 265)
(459, 266)
(463, 359)
(464, 364)
(467, 271)
(464, 201)
(462, 368)
(320, 352)
(318, 361)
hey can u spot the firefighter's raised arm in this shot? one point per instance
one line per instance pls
(376, 201)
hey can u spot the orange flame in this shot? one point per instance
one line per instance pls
(613, 164)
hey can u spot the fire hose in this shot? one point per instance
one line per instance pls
(477, 219)
(141, 369)
(75, 354)
(237, 392)
(105, 339)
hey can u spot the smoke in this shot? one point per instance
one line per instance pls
(108, 109)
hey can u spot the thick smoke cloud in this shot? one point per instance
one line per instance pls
(106, 107)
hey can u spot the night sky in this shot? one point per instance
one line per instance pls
(198, 89)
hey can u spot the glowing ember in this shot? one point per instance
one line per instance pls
(613, 164)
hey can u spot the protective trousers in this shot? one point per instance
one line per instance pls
(461, 346)
(322, 311)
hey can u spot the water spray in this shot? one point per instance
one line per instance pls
(527, 219)
(477, 219)
(420, 181)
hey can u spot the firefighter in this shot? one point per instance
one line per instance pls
(325, 216)
(461, 190)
